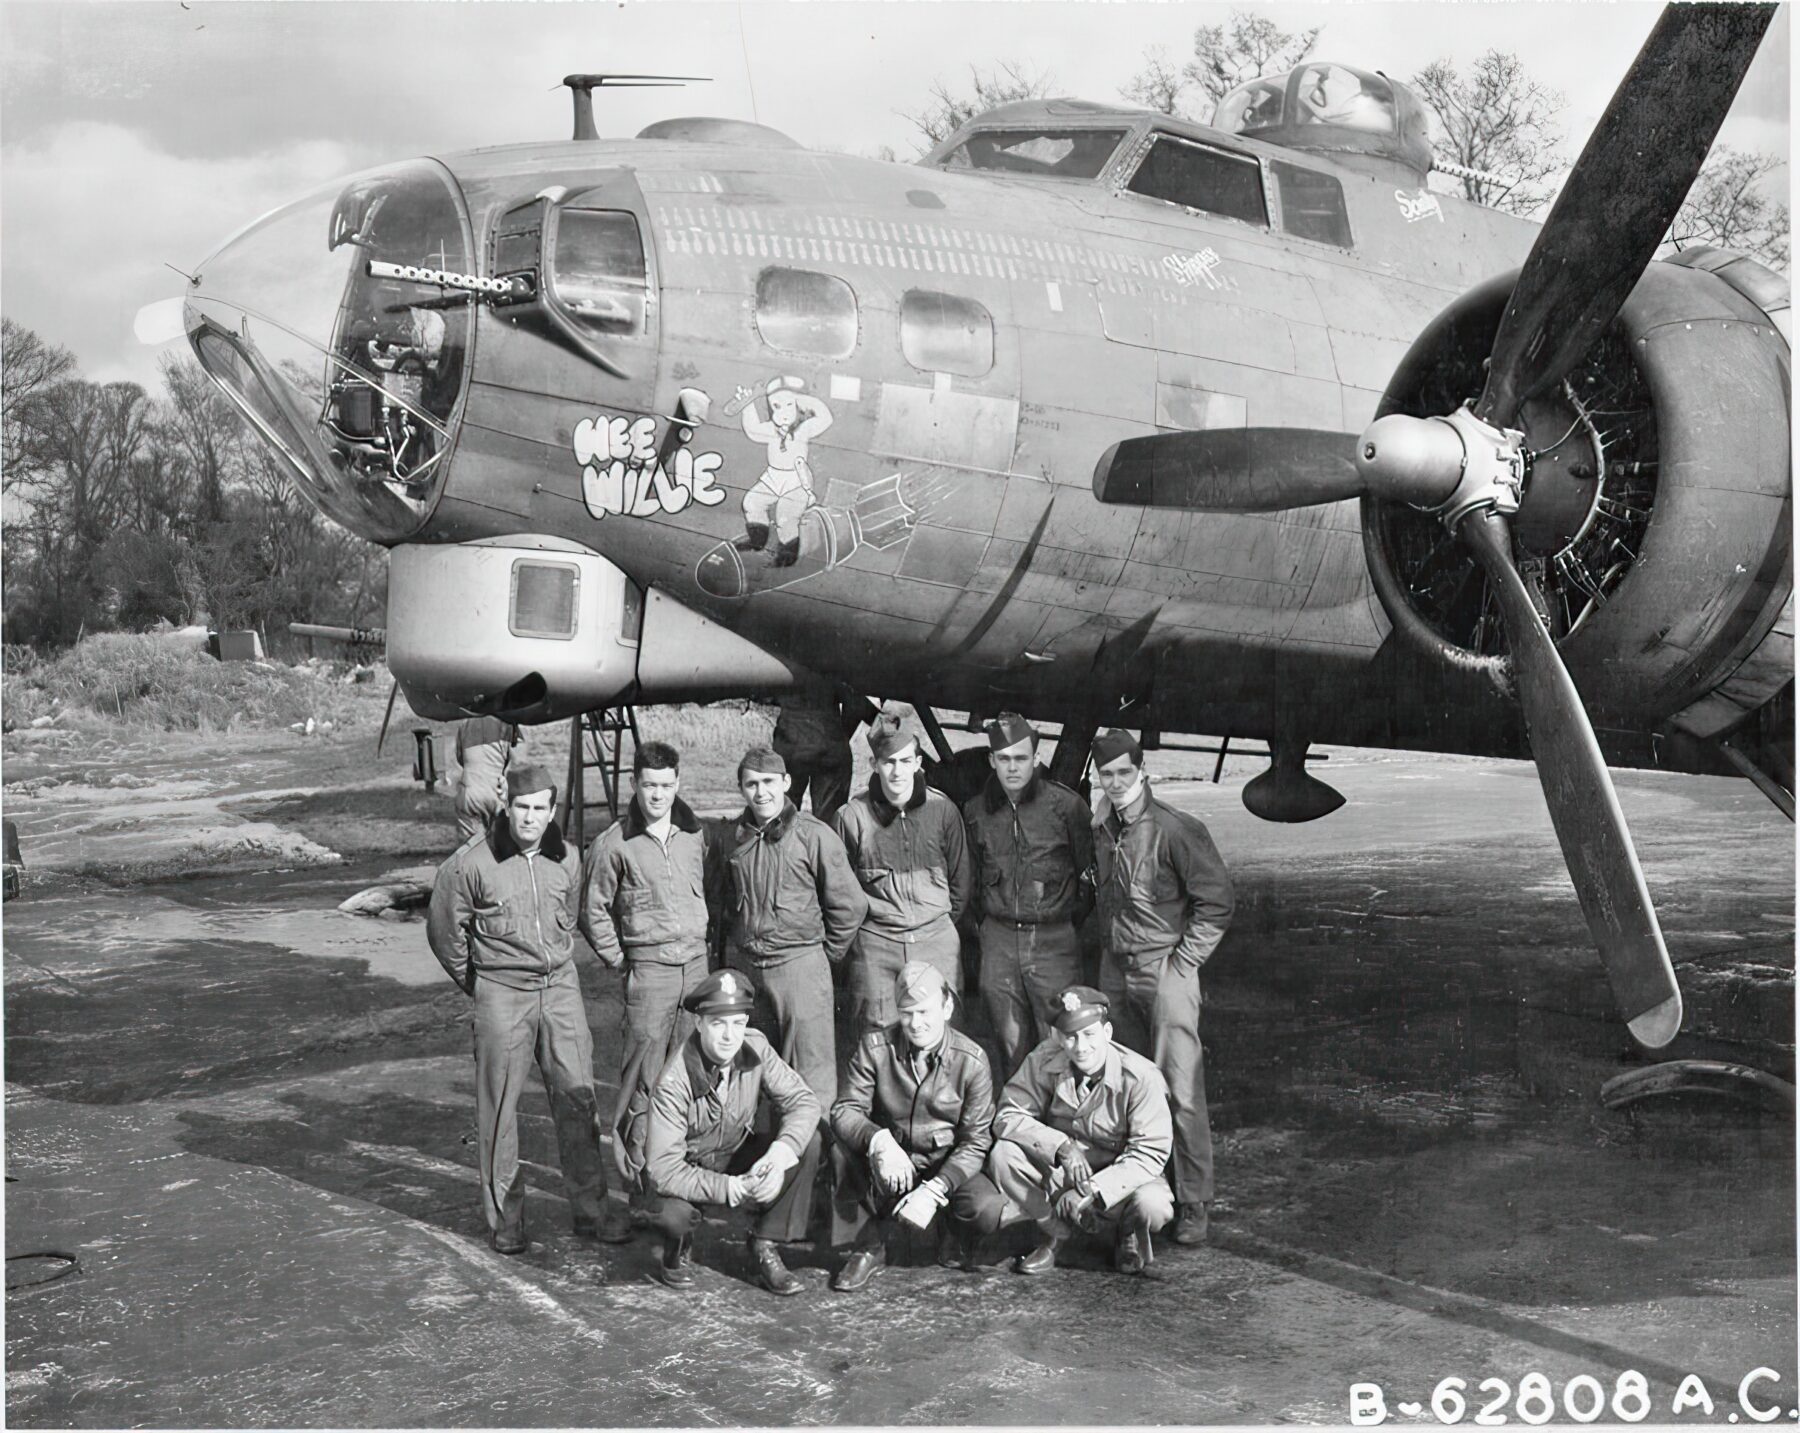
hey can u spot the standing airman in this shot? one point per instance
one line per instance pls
(793, 910)
(1031, 845)
(1165, 901)
(906, 843)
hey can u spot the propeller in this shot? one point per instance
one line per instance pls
(1470, 467)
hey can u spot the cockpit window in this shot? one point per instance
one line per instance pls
(1255, 106)
(1312, 204)
(598, 270)
(1339, 95)
(1048, 153)
(1197, 176)
(340, 324)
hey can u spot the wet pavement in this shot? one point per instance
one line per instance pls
(251, 1120)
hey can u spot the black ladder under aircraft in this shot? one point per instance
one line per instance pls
(597, 742)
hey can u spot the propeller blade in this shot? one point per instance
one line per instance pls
(1230, 469)
(1621, 197)
(1584, 808)
(387, 716)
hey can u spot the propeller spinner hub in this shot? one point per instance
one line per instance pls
(1448, 466)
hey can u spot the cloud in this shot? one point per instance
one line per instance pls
(93, 212)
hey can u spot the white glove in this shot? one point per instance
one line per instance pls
(778, 1159)
(921, 1206)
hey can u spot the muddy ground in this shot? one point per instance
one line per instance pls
(250, 1120)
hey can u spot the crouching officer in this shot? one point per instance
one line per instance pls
(700, 1149)
(1081, 1139)
(913, 1130)
(502, 923)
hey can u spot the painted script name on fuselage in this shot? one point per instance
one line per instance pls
(625, 470)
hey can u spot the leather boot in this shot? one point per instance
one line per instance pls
(509, 1241)
(1042, 1259)
(955, 1249)
(787, 554)
(755, 538)
(1190, 1223)
(677, 1268)
(862, 1266)
(771, 1273)
(613, 1227)
(1133, 1250)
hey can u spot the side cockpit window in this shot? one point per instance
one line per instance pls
(597, 272)
(802, 312)
(1312, 204)
(1197, 176)
(944, 333)
(1046, 153)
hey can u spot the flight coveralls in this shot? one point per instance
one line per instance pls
(503, 925)
(1164, 902)
(939, 1106)
(793, 908)
(645, 907)
(699, 1134)
(913, 863)
(812, 735)
(483, 749)
(1030, 858)
(1119, 1119)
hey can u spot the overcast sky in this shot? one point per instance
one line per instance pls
(134, 134)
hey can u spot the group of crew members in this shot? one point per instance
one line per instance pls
(793, 987)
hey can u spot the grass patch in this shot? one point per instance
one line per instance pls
(154, 683)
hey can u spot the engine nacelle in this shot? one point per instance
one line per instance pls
(1656, 519)
(537, 629)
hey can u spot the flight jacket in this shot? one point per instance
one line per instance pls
(1122, 1125)
(944, 1121)
(1030, 857)
(502, 914)
(791, 888)
(701, 1114)
(912, 860)
(1162, 887)
(642, 900)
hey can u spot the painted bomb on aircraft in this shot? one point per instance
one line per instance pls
(1092, 413)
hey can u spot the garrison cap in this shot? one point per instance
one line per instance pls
(724, 992)
(1112, 744)
(888, 735)
(919, 983)
(764, 759)
(1077, 1008)
(523, 780)
(1009, 729)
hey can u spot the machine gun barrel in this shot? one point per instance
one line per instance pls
(355, 636)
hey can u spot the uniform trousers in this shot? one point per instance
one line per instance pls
(1030, 1184)
(655, 1026)
(513, 1030)
(876, 958)
(828, 778)
(859, 1209)
(1156, 1011)
(1023, 969)
(793, 1009)
(784, 1220)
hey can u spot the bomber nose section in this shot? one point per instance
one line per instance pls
(340, 324)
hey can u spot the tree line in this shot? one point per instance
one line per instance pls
(1491, 115)
(125, 508)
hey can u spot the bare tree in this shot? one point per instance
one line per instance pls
(200, 424)
(1731, 207)
(1497, 119)
(28, 366)
(949, 110)
(1244, 48)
